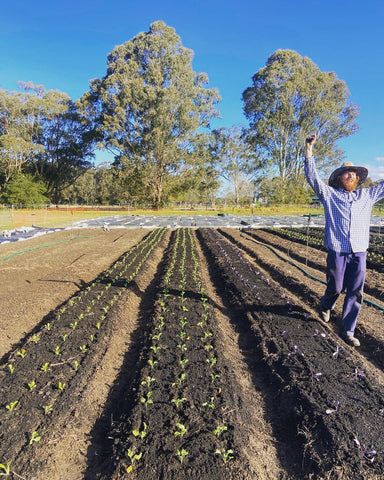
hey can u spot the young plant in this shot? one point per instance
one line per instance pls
(32, 385)
(134, 456)
(210, 404)
(182, 430)
(35, 338)
(73, 325)
(147, 400)
(11, 368)
(47, 408)
(11, 405)
(152, 363)
(35, 437)
(219, 430)
(142, 433)
(57, 350)
(178, 401)
(148, 381)
(47, 326)
(6, 468)
(83, 348)
(181, 454)
(21, 353)
(226, 455)
(183, 362)
(44, 367)
(61, 386)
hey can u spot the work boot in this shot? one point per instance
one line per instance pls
(351, 340)
(325, 315)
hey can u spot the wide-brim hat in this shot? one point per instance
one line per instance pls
(361, 172)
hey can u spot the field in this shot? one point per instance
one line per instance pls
(185, 354)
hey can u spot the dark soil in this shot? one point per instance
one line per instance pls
(183, 355)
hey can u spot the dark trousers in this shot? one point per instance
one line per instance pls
(345, 271)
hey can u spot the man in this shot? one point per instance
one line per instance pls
(346, 237)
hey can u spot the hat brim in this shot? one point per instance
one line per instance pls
(361, 172)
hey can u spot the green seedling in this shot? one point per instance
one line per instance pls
(64, 337)
(63, 309)
(226, 455)
(61, 386)
(98, 324)
(181, 454)
(73, 325)
(83, 348)
(81, 316)
(57, 350)
(183, 362)
(6, 468)
(21, 353)
(206, 335)
(185, 309)
(32, 385)
(147, 400)
(44, 367)
(89, 308)
(148, 381)
(157, 336)
(11, 405)
(182, 322)
(178, 401)
(182, 346)
(208, 347)
(154, 348)
(47, 408)
(76, 365)
(141, 433)
(35, 338)
(200, 324)
(92, 337)
(11, 368)
(35, 437)
(212, 361)
(47, 326)
(106, 308)
(182, 430)
(152, 363)
(134, 456)
(219, 430)
(214, 377)
(210, 404)
(181, 378)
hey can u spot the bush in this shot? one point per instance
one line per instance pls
(24, 190)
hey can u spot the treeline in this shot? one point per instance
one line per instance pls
(153, 114)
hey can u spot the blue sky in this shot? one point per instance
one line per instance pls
(62, 45)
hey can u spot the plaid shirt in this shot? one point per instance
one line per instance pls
(347, 214)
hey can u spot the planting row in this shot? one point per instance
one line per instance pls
(43, 376)
(325, 406)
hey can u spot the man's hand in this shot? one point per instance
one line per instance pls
(309, 142)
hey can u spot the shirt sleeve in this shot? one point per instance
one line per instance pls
(320, 188)
(377, 192)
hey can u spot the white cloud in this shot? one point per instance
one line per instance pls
(379, 159)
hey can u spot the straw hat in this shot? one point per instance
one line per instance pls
(361, 172)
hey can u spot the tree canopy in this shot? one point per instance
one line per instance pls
(290, 98)
(149, 105)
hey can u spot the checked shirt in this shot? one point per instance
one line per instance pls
(347, 214)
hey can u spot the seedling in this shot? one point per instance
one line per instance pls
(64, 337)
(357, 374)
(152, 363)
(182, 430)
(183, 362)
(21, 353)
(157, 336)
(11, 405)
(148, 381)
(134, 456)
(44, 367)
(141, 433)
(98, 324)
(61, 386)
(206, 335)
(219, 430)
(210, 404)
(57, 350)
(200, 324)
(212, 361)
(208, 347)
(336, 353)
(11, 369)
(147, 400)
(329, 411)
(181, 454)
(226, 455)
(154, 348)
(47, 408)
(181, 378)
(76, 365)
(73, 325)
(367, 454)
(47, 326)
(35, 437)
(32, 385)
(35, 338)
(315, 375)
(83, 348)
(178, 401)
(6, 468)
(182, 346)
(214, 377)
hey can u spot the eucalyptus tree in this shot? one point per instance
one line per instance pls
(289, 98)
(236, 161)
(149, 105)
